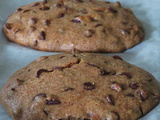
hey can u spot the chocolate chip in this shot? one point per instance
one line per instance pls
(45, 2)
(47, 22)
(130, 95)
(58, 5)
(89, 33)
(76, 20)
(117, 57)
(44, 8)
(39, 72)
(103, 72)
(20, 80)
(112, 9)
(36, 43)
(84, 11)
(133, 85)
(46, 112)
(150, 80)
(109, 99)
(13, 89)
(34, 20)
(35, 4)
(127, 74)
(8, 26)
(99, 10)
(116, 86)
(25, 11)
(68, 89)
(32, 28)
(60, 15)
(61, 57)
(79, 1)
(97, 25)
(42, 35)
(53, 101)
(19, 9)
(143, 95)
(42, 95)
(89, 86)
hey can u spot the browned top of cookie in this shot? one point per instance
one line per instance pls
(85, 25)
(79, 87)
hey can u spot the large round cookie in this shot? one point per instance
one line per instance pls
(64, 25)
(79, 87)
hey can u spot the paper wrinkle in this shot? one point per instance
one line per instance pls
(145, 55)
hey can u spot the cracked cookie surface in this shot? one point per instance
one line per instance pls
(79, 87)
(64, 25)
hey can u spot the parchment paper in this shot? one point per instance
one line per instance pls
(145, 55)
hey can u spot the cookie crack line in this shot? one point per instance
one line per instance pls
(40, 71)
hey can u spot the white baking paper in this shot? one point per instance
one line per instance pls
(145, 55)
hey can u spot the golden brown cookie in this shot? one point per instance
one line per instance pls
(64, 25)
(79, 87)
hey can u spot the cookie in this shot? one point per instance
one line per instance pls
(82, 86)
(84, 25)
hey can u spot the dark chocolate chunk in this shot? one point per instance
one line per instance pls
(42, 94)
(112, 9)
(103, 72)
(89, 86)
(126, 74)
(97, 25)
(39, 72)
(109, 99)
(45, 2)
(42, 35)
(58, 5)
(60, 15)
(19, 9)
(89, 33)
(61, 57)
(35, 4)
(117, 57)
(143, 95)
(13, 89)
(47, 22)
(133, 85)
(79, 1)
(34, 20)
(8, 26)
(44, 8)
(68, 89)
(25, 11)
(32, 28)
(76, 20)
(46, 112)
(53, 101)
